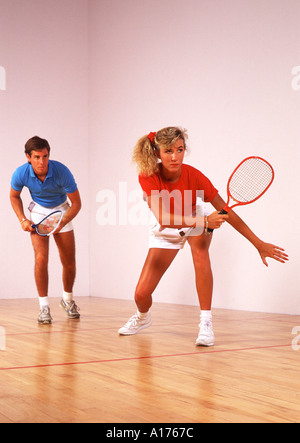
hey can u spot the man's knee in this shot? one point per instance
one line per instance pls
(41, 260)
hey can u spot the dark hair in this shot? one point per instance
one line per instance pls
(36, 144)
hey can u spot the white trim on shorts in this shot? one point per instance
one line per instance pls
(169, 238)
(38, 212)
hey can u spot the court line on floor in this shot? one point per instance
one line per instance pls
(70, 331)
(146, 357)
(51, 329)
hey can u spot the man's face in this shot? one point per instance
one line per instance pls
(39, 161)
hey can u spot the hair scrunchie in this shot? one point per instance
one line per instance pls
(151, 137)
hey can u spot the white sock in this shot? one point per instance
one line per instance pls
(206, 315)
(67, 296)
(44, 301)
(142, 315)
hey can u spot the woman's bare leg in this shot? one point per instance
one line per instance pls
(204, 277)
(156, 264)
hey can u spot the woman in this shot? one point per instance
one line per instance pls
(172, 191)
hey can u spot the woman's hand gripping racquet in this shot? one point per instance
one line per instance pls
(49, 224)
(248, 182)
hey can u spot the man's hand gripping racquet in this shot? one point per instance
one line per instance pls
(49, 224)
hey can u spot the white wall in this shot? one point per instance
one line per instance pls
(92, 76)
(44, 50)
(222, 69)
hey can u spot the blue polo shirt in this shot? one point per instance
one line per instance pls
(53, 192)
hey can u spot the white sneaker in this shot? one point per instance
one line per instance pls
(135, 324)
(206, 335)
(71, 308)
(44, 317)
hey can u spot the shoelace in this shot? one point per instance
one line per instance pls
(72, 306)
(45, 311)
(205, 327)
(132, 321)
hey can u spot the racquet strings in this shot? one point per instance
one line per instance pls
(250, 180)
(49, 224)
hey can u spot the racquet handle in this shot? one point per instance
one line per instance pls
(221, 212)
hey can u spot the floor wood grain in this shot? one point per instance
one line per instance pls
(83, 371)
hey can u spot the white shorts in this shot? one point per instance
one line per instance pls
(170, 238)
(38, 212)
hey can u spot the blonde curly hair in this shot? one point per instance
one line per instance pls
(148, 146)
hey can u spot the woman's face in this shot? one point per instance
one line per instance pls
(172, 158)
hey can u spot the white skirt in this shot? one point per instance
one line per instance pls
(170, 238)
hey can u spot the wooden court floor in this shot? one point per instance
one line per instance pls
(82, 371)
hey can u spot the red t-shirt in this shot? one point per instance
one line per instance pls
(181, 196)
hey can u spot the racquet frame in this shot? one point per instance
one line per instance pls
(36, 225)
(228, 208)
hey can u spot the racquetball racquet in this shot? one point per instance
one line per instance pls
(248, 182)
(49, 224)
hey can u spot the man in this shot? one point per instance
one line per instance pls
(51, 184)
